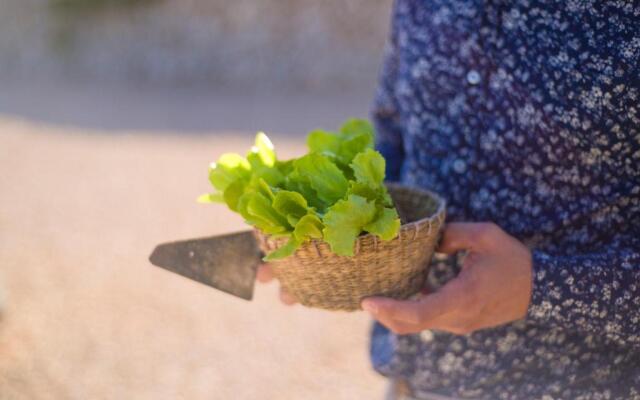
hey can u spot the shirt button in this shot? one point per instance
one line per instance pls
(426, 336)
(459, 166)
(473, 77)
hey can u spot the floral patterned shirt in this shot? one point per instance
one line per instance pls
(525, 113)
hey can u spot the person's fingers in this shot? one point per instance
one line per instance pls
(264, 274)
(425, 311)
(287, 298)
(460, 236)
(406, 311)
(422, 311)
(398, 327)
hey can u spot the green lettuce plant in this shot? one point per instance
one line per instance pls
(335, 192)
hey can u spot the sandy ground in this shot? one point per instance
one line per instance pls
(86, 315)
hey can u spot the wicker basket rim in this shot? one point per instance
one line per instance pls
(436, 214)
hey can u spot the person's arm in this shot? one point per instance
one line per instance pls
(385, 113)
(596, 293)
(502, 281)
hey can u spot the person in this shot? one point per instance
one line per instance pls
(525, 116)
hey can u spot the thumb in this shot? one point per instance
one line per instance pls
(466, 236)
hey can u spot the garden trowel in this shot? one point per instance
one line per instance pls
(226, 262)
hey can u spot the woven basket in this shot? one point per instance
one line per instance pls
(316, 277)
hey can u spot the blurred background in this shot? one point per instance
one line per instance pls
(110, 111)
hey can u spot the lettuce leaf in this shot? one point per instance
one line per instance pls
(298, 183)
(308, 227)
(262, 160)
(264, 149)
(386, 225)
(357, 136)
(324, 142)
(283, 251)
(258, 211)
(323, 176)
(232, 194)
(345, 220)
(229, 168)
(210, 198)
(334, 193)
(368, 168)
(291, 204)
(354, 137)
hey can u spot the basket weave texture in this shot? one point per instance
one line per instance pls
(316, 277)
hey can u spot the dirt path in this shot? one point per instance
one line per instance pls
(86, 315)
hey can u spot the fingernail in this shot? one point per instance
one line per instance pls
(369, 306)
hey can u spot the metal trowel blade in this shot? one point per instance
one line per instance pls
(225, 262)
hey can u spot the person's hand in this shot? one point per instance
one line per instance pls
(265, 274)
(493, 287)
